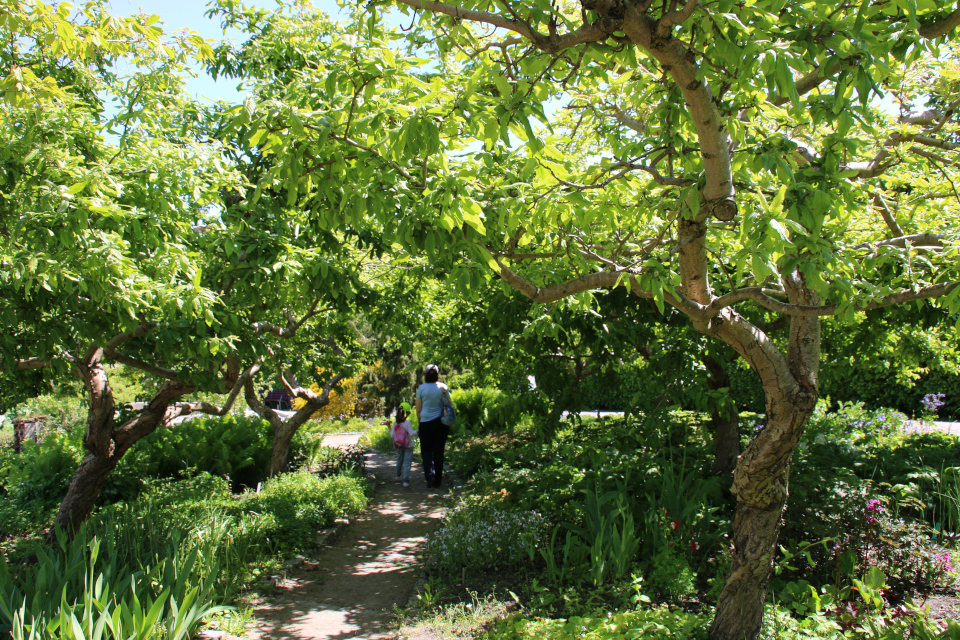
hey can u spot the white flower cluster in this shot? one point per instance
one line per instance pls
(487, 538)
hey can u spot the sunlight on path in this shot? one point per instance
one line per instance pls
(370, 568)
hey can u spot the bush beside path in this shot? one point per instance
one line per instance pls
(351, 586)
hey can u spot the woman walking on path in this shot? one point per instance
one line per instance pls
(433, 433)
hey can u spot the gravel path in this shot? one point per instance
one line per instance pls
(350, 587)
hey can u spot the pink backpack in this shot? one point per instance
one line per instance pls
(401, 439)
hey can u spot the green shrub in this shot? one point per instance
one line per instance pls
(63, 412)
(843, 381)
(380, 438)
(485, 410)
(41, 473)
(659, 623)
(612, 389)
(328, 461)
(853, 423)
(670, 575)
(234, 446)
(303, 504)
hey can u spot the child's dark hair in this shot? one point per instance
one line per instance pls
(401, 414)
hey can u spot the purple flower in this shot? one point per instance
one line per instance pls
(875, 506)
(933, 401)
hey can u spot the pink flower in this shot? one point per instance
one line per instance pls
(944, 559)
(874, 505)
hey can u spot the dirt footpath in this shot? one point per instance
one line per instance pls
(351, 586)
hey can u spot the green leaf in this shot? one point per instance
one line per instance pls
(471, 212)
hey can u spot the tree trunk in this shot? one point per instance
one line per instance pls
(104, 444)
(726, 440)
(760, 482)
(283, 431)
(283, 435)
(760, 485)
(85, 487)
(725, 420)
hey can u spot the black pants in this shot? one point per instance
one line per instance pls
(433, 440)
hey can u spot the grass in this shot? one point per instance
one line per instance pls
(460, 620)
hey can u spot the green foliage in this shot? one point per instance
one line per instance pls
(608, 541)
(234, 446)
(78, 585)
(302, 504)
(660, 623)
(486, 409)
(855, 458)
(63, 411)
(852, 423)
(41, 472)
(180, 548)
(237, 447)
(881, 388)
(328, 461)
(613, 389)
(381, 438)
(670, 574)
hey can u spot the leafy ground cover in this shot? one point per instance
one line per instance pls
(188, 522)
(174, 555)
(615, 528)
(234, 446)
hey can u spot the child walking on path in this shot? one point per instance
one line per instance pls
(403, 435)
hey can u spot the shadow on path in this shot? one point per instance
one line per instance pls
(370, 568)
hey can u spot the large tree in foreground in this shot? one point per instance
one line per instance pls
(719, 158)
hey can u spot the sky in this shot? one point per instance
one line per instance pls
(179, 14)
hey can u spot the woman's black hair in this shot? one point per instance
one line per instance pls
(432, 374)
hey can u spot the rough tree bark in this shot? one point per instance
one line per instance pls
(105, 444)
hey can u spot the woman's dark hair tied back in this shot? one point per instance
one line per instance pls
(431, 374)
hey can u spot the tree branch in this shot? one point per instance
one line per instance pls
(674, 18)
(152, 369)
(758, 295)
(888, 216)
(548, 44)
(915, 240)
(120, 338)
(32, 363)
(293, 325)
(206, 407)
(940, 27)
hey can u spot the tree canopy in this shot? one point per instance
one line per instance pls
(743, 165)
